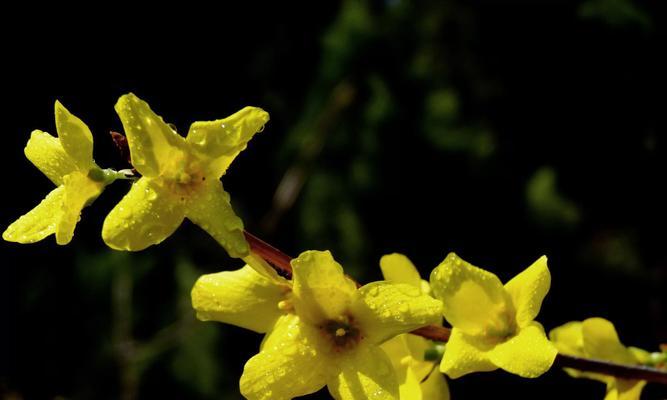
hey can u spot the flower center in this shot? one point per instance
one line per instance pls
(342, 333)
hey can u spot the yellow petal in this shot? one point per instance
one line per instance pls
(147, 215)
(465, 354)
(641, 356)
(290, 364)
(528, 354)
(47, 154)
(365, 373)
(384, 310)
(622, 389)
(408, 383)
(321, 289)
(435, 387)
(243, 298)
(528, 289)
(75, 137)
(474, 300)
(223, 139)
(153, 144)
(211, 209)
(39, 222)
(398, 268)
(601, 341)
(569, 340)
(80, 191)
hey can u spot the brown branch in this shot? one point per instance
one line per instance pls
(636, 372)
(281, 262)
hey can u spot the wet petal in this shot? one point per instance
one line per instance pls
(528, 354)
(528, 289)
(601, 341)
(75, 137)
(147, 215)
(39, 222)
(290, 364)
(473, 299)
(398, 268)
(465, 354)
(47, 153)
(365, 373)
(321, 289)
(80, 191)
(243, 298)
(210, 208)
(223, 139)
(384, 310)
(153, 144)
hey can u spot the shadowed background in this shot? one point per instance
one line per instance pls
(499, 130)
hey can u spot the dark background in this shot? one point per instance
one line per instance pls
(502, 130)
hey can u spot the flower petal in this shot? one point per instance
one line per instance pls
(365, 373)
(223, 139)
(210, 208)
(623, 389)
(147, 215)
(79, 192)
(39, 222)
(601, 341)
(398, 268)
(47, 154)
(408, 383)
(528, 354)
(465, 354)
(384, 310)
(243, 298)
(435, 387)
(568, 339)
(528, 289)
(321, 289)
(290, 364)
(473, 299)
(153, 144)
(75, 137)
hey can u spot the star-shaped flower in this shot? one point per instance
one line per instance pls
(180, 178)
(417, 377)
(322, 330)
(597, 338)
(493, 325)
(68, 162)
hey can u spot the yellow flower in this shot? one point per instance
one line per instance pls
(597, 338)
(180, 178)
(68, 162)
(417, 377)
(493, 325)
(322, 330)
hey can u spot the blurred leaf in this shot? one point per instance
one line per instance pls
(546, 205)
(615, 13)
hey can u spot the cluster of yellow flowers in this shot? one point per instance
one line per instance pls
(321, 328)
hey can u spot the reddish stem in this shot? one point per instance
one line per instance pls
(281, 262)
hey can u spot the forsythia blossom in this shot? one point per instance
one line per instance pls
(597, 338)
(322, 329)
(180, 178)
(417, 377)
(68, 162)
(493, 324)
